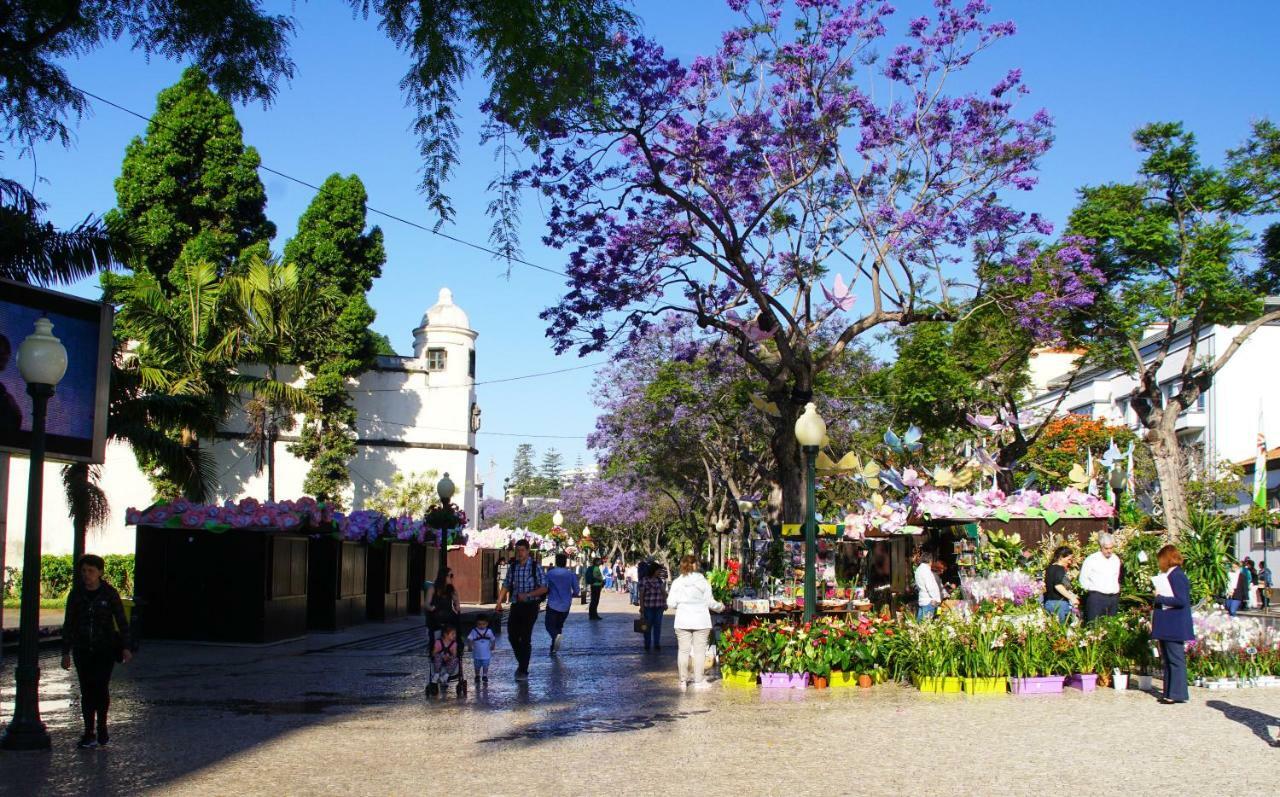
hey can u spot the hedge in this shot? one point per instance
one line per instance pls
(57, 573)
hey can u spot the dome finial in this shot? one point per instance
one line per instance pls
(446, 296)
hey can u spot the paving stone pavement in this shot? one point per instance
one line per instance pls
(345, 714)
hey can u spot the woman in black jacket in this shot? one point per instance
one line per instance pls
(95, 635)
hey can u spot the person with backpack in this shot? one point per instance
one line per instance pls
(95, 637)
(595, 580)
(526, 585)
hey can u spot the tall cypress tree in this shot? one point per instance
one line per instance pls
(189, 189)
(333, 249)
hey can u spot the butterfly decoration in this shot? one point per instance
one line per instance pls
(988, 422)
(1112, 455)
(840, 295)
(749, 328)
(868, 473)
(891, 478)
(1022, 419)
(908, 443)
(985, 462)
(764, 405)
(1079, 478)
(944, 477)
(911, 479)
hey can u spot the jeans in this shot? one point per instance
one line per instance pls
(1100, 604)
(692, 644)
(634, 587)
(555, 622)
(1059, 608)
(653, 616)
(595, 601)
(926, 612)
(520, 631)
(93, 667)
(1174, 657)
(1233, 606)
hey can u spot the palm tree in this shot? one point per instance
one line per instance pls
(33, 250)
(277, 310)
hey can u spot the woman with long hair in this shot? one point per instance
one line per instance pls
(443, 606)
(1058, 597)
(1171, 623)
(95, 636)
(690, 595)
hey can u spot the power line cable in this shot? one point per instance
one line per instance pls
(483, 382)
(387, 422)
(367, 206)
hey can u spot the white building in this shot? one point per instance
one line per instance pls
(1221, 426)
(415, 414)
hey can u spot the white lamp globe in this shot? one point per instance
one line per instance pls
(557, 518)
(586, 532)
(810, 428)
(444, 489)
(42, 359)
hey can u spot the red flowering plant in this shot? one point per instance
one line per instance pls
(725, 580)
(740, 648)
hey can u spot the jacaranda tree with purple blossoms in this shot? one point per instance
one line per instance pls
(809, 145)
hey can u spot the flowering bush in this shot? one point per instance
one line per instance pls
(1013, 586)
(724, 580)
(1232, 647)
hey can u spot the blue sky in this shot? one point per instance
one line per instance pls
(1100, 68)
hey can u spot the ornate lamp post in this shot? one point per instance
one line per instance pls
(42, 361)
(811, 430)
(722, 526)
(445, 489)
(744, 506)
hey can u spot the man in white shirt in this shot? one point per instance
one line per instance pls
(928, 590)
(1100, 580)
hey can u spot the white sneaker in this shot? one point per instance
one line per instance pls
(701, 685)
(555, 643)
(684, 685)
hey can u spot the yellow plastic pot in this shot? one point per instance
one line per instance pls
(746, 680)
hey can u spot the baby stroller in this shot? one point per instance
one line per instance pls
(444, 664)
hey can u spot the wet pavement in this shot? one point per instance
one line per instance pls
(345, 714)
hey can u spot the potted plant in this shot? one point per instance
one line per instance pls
(1084, 658)
(739, 656)
(782, 664)
(1030, 657)
(936, 656)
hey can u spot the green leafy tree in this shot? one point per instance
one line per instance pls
(412, 495)
(524, 476)
(277, 311)
(1175, 251)
(241, 48)
(334, 253)
(551, 472)
(190, 187)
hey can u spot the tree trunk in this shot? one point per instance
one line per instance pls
(272, 432)
(1163, 440)
(789, 463)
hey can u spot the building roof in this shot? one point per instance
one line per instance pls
(1273, 455)
(1270, 304)
(444, 313)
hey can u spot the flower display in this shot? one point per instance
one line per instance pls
(1232, 647)
(242, 514)
(934, 503)
(1013, 586)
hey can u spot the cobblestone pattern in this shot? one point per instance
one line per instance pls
(324, 717)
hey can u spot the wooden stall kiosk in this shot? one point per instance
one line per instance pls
(336, 591)
(246, 586)
(387, 580)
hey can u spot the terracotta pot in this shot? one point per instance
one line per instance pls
(864, 681)
(819, 681)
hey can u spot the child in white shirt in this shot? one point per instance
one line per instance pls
(482, 640)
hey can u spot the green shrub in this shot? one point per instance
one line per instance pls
(57, 574)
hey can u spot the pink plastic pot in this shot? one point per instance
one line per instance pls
(784, 680)
(1044, 685)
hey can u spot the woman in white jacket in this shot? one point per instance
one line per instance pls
(690, 595)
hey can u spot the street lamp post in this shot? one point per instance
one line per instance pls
(811, 430)
(445, 489)
(744, 506)
(1118, 479)
(42, 360)
(722, 526)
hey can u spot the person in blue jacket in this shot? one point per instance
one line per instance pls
(1171, 625)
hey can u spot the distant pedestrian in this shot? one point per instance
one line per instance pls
(1059, 600)
(1264, 577)
(618, 575)
(693, 601)
(443, 606)
(562, 588)
(642, 569)
(525, 585)
(503, 564)
(1237, 588)
(653, 602)
(928, 588)
(444, 660)
(1171, 625)
(1100, 580)
(595, 581)
(482, 640)
(1251, 602)
(633, 580)
(584, 567)
(95, 636)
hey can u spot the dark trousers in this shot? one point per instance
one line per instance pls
(520, 630)
(555, 622)
(653, 634)
(1100, 604)
(1174, 657)
(93, 668)
(595, 600)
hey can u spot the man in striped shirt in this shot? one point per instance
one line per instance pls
(525, 585)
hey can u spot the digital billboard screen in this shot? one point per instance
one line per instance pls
(77, 416)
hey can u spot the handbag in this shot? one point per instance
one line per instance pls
(639, 625)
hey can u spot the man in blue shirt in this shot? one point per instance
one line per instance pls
(562, 588)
